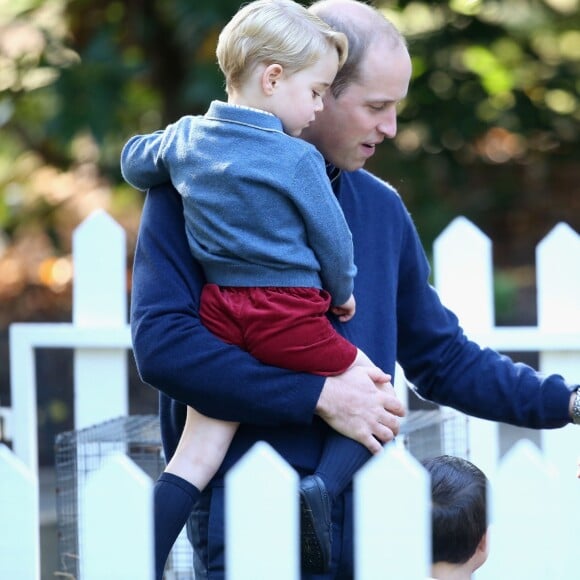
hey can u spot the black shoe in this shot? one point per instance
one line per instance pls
(315, 525)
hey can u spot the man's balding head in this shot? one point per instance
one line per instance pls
(364, 26)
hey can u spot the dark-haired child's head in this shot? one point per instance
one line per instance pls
(459, 510)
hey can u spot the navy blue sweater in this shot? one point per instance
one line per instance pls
(399, 317)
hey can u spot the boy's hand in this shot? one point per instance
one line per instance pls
(345, 311)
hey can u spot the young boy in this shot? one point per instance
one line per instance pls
(459, 517)
(277, 253)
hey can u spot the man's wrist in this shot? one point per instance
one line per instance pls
(322, 405)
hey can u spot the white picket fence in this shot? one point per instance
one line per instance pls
(533, 514)
(535, 503)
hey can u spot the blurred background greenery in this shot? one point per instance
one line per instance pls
(490, 130)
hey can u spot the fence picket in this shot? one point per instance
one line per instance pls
(462, 269)
(117, 531)
(463, 272)
(392, 518)
(99, 254)
(100, 301)
(522, 517)
(20, 544)
(262, 517)
(557, 257)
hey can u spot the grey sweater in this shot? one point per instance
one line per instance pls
(258, 206)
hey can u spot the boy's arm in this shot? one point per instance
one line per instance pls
(142, 165)
(328, 233)
(344, 312)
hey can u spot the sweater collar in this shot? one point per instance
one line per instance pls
(222, 111)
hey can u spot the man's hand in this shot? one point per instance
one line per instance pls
(361, 404)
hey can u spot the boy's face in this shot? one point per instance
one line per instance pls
(298, 95)
(349, 128)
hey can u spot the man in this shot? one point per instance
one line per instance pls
(399, 316)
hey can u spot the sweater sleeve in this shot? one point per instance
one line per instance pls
(178, 356)
(326, 228)
(141, 162)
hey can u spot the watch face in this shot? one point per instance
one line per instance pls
(576, 408)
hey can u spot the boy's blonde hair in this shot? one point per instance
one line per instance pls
(274, 31)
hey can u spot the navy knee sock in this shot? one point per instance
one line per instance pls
(341, 459)
(173, 500)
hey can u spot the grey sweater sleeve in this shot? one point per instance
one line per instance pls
(141, 162)
(328, 233)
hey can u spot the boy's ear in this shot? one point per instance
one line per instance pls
(483, 546)
(270, 77)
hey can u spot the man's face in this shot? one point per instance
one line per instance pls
(349, 128)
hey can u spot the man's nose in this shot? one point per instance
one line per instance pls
(388, 124)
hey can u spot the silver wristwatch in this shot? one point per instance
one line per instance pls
(576, 408)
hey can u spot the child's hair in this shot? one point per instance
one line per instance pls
(458, 508)
(274, 31)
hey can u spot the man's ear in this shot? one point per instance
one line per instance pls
(270, 77)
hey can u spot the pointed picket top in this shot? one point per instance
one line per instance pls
(262, 489)
(523, 516)
(463, 272)
(19, 546)
(392, 506)
(117, 527)
(525, 463)
(558, 279)
(99, 288)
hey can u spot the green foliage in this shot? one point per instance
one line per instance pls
(492, 113)
(495, 84)
(479, 65)
(107, 69)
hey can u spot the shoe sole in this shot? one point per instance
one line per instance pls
(312, 559)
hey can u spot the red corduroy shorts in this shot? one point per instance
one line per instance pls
(284, 327)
